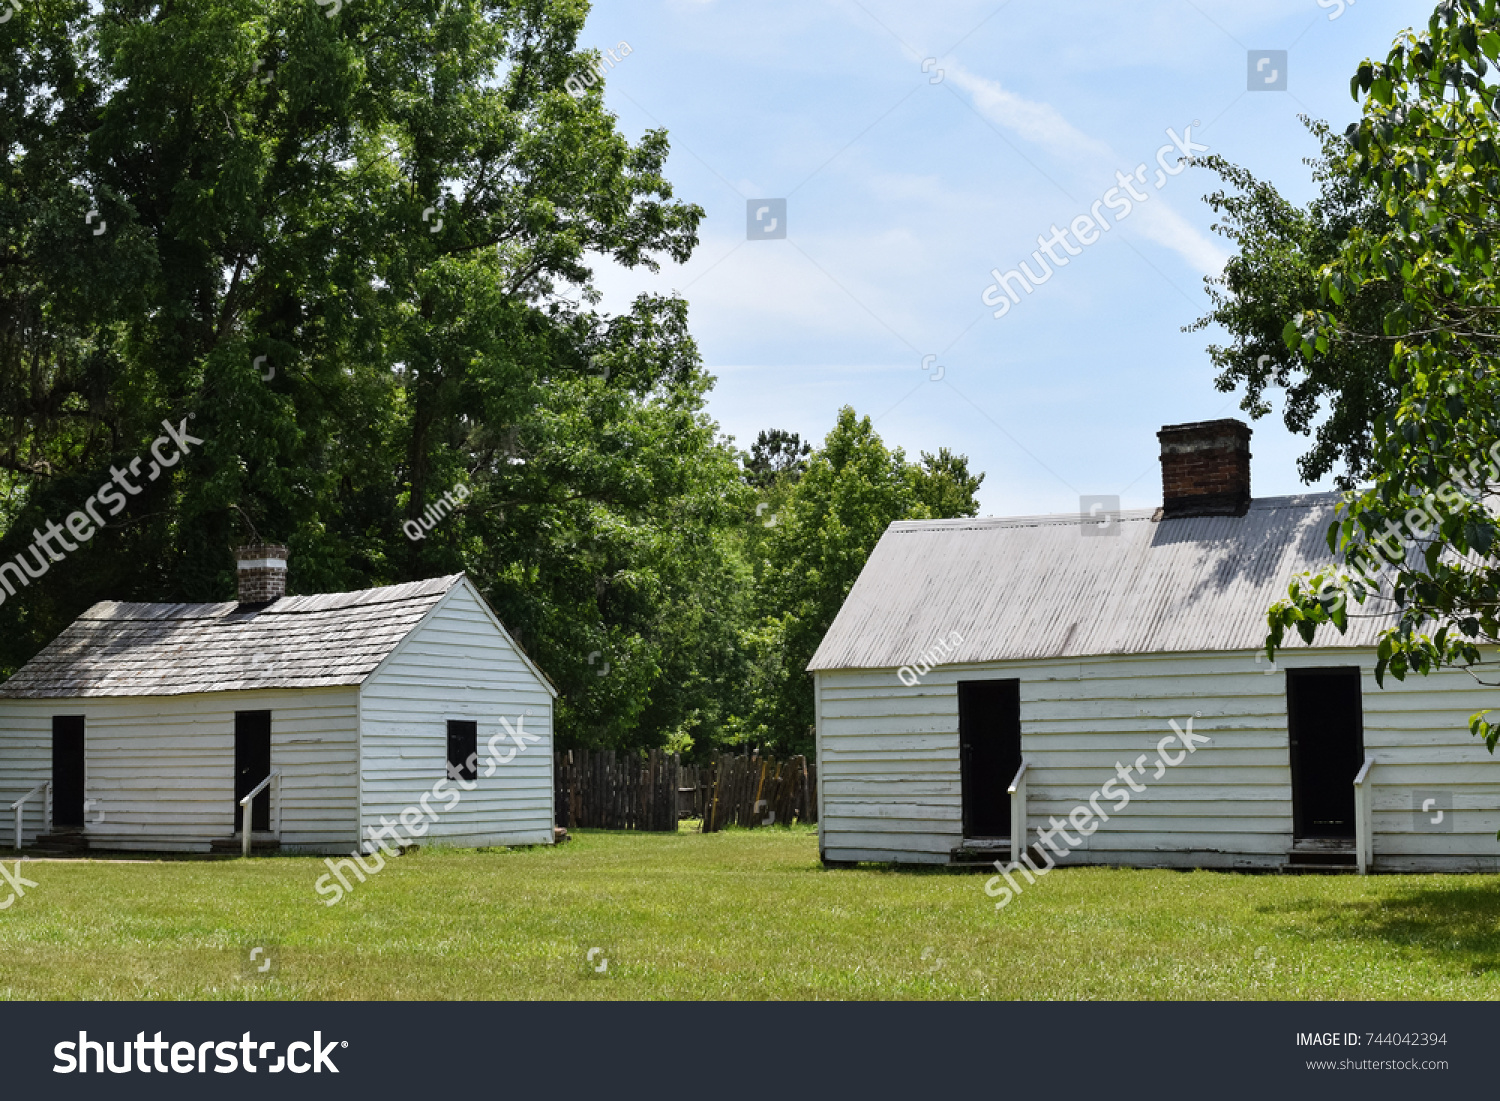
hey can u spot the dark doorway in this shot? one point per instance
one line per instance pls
(67, 770)
(252, 764)
(1325, 727)
(989, 737)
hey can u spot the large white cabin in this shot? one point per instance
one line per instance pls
(1060, 649)
(143, 725)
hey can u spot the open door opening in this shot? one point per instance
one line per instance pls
(1326, 736)
(67, 770)
(989, 736)
(252, 764)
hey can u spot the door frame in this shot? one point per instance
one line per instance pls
(260, 810)
(967, 797)
(1344, 672)
(70, 726)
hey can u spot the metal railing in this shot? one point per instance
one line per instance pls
(1017, 793)
(274, 782)
(45, 788)
(1364, 851)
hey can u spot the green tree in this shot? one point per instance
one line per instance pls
(772, 467)
(1336, 393)
(776, 455)
(1418, 541)
(610, 536)
(853, 490)
(944, 487)
(352, 245)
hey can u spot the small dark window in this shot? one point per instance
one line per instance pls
(463, 749)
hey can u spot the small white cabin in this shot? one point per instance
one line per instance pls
(142, 726)
(989, 679)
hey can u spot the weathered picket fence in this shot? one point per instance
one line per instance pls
(617, 791)
(760, 791)
(606, 789)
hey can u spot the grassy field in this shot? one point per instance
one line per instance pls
(737, 914)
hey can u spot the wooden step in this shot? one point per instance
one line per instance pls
(63, 839)
(1319, 869)
(1322, 856)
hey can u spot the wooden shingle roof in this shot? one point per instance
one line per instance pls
(318, 641)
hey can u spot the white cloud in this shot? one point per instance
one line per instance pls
(1160, 223)
(1039, 123)
(1094, 160)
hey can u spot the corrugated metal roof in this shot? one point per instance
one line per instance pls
(317, 641)
(1039, 587)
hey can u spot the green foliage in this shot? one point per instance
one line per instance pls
(1425, 150)
(390, 209)
(944, 487)
(854, 489)
(776, 455)
(1276, 275)
(354, 247)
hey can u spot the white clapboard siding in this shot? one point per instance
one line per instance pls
(890, 783)
(25, 761)
(458, 664)
(159, 770)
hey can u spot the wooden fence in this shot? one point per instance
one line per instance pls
(605, 789)
(611, 791)
(759, 791)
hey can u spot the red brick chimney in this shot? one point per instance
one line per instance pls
(1205, 469)
(262, 573)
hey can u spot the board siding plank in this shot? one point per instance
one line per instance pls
(1229, 804)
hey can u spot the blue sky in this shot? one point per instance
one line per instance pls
(905, 189)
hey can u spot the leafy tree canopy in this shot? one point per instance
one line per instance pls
(1336, 393)
(943, 486)
(349, 246)
(854, 488)
(1419, 541)
(776, 454)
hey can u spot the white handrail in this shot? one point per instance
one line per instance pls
(247, 800)
(1017, 793)
(1363, 838)
(46, 787)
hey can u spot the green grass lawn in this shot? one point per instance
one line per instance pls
(738, 914)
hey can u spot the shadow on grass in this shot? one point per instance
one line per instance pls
(124, 856)
(1455, 925)
(882, 867)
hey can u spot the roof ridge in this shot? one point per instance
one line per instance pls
(303, 604)
(1258, 504)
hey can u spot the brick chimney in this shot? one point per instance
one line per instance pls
(1205, 469)
(262, 573)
